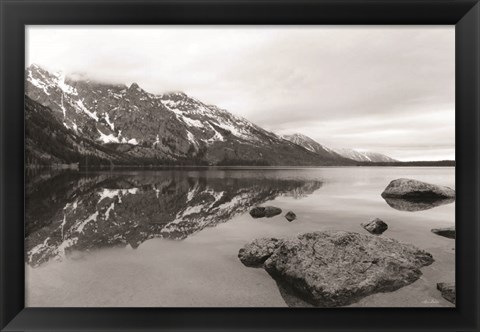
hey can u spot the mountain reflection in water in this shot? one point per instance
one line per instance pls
(70, 211)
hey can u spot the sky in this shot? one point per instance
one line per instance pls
(388, 89)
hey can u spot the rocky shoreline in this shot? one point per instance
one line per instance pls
(338, 268)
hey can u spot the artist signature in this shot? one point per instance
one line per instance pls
(431, 301)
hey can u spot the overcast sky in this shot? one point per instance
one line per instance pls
(384, 89)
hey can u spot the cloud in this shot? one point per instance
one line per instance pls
(386, 89)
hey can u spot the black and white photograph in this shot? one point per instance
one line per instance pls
(240, 166)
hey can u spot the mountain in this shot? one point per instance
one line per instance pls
(128, 125)
(312, 145)
(48, 141)
(365, 156)
(321, 150)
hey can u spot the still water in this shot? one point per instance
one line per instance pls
(171, 237)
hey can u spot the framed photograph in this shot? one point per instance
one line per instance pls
(240, 165)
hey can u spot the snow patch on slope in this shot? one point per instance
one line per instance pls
(112, 193)
(216, 136)
(85, 110)
(82, 225)
(38, 83)
(107, 118)
(107, 138)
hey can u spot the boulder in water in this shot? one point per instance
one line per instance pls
(290, 216)
(337, 268)
(409, 188)
(376, 226)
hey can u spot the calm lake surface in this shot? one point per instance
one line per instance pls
(171, 237)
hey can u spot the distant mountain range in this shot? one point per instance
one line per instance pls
(92, 123)
(366, 156)
(312, 145)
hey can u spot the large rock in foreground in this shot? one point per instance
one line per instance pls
(337, 268)
(408, 188)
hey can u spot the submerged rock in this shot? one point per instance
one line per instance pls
(446, 232)
(412, 204)
(265, 211)
(408, 188)
(448, 291)
(337, 268)
(290, 216)
(376, 226)
(256, 253)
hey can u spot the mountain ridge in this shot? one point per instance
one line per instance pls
(98, 123)
(310, 144)
(138, 127)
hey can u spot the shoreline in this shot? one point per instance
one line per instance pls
(162, 167)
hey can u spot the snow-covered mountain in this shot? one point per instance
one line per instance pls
(131, 125)
(366, 156)
(312, 145)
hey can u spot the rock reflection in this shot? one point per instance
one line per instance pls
(291, 298)
(71, 212)
(412, 205)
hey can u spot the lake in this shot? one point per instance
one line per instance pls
(165, 238)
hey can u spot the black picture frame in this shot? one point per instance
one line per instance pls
(15, 14)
